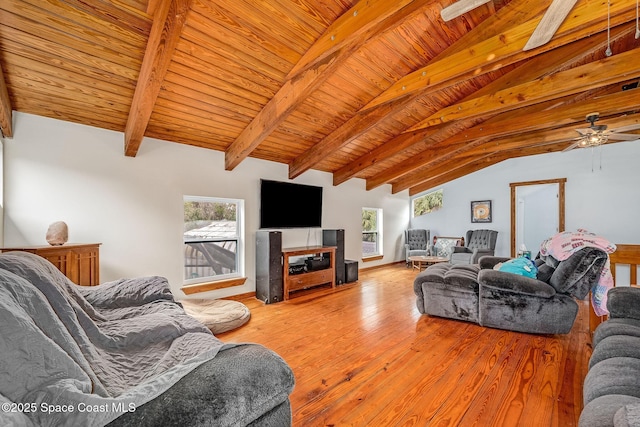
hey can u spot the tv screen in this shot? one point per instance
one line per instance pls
(288, 205)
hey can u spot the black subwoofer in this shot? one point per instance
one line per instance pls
(351, 270)
(336, 238)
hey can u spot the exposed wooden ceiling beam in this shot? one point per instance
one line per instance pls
(365, 119)
(455, 170)
(484, 162)
(360, 19)
(334, 47)
(290, 95)
(459, 8)
(542, 65)
(394, 146)
(508, 144)
(457, 64)
(614, 69)
(6, 115)
(165, 33)
(506, 47)
(517, 122)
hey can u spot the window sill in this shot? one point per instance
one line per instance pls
(372, 258)
(212, 286)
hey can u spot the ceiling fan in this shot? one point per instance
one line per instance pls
(547, 27)
(596, 135)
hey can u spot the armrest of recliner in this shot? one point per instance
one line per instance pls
(490, 261)
(514, 283)
(624, 302)
(461, 249)
(479, 253)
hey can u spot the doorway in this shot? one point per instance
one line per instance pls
(537, 212)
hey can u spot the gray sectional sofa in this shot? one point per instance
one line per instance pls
(497, 299)
(611, 390)
(123, 353)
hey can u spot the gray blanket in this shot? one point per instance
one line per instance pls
(83, 356)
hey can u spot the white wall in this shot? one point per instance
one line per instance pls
(58, 171)
(604, 201)
(61, 171)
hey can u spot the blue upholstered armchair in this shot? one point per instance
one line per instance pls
(416, 243)
(478, 243)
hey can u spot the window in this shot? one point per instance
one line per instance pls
(212, 239)
(371, 232)
(428, 203)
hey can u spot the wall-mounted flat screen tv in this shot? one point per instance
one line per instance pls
(288, 205)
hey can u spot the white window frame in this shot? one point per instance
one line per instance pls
(239, 238)
(379, 227)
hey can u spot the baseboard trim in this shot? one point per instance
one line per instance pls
(375, 267)
(212, 286)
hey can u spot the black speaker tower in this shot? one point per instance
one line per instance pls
(336, 238)
(269, 285)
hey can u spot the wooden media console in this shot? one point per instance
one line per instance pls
(295, 282)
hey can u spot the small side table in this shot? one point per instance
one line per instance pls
(420, 261)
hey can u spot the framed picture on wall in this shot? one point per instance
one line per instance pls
(481, 211)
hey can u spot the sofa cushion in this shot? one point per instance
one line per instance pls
(577, 274)
(545, 272)
(618, 375)
(615, 346)
(630, 327)
(463, 276)
(623, 302)
(627, 416)
(514, 283)
(235, 388)
(600, 412)
(434, 273)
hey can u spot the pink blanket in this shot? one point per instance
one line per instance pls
(563, 245)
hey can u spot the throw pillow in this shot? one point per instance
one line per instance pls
(444, 247)
(521, 266)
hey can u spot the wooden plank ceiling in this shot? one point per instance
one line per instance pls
(380, 90)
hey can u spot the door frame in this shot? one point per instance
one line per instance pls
(561, 205)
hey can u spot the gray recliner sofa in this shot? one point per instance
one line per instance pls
(477, 293)
(611, 392)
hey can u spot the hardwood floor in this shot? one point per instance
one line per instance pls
(362, 355)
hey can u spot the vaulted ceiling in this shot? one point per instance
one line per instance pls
(386, 91)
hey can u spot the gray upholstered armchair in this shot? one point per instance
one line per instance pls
(416, 242)
(478, 243)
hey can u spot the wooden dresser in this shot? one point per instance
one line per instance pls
(79, 262)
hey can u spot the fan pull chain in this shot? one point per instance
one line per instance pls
(593, 149)
(600, 156)
(608, 52)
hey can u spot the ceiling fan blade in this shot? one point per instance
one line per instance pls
(572, 146)
(552, 19)
(626, 128)
(624, 136)
(584, 131)
(460, 7)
